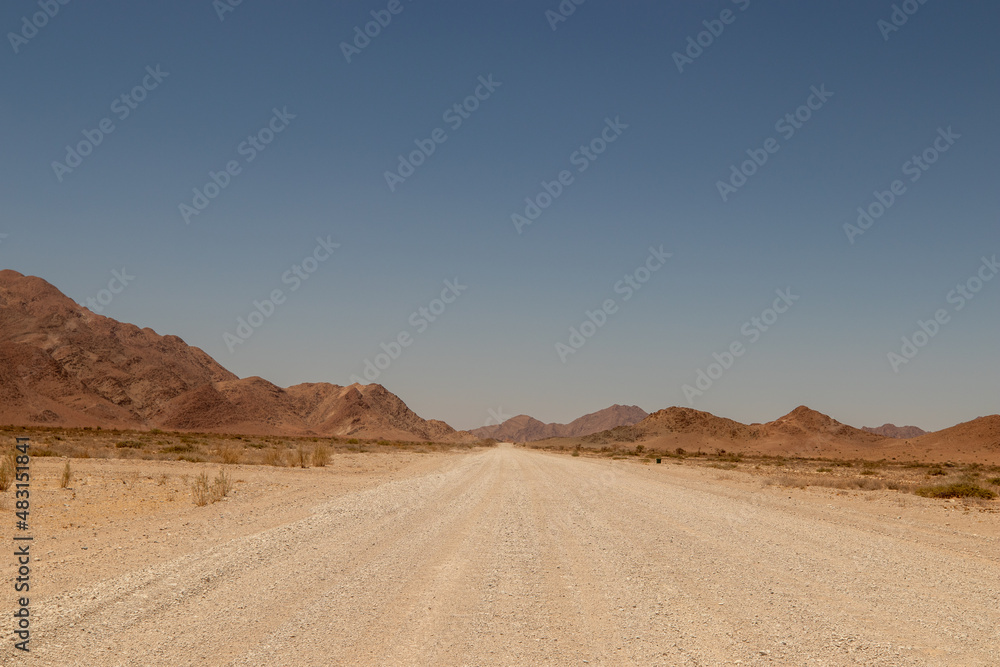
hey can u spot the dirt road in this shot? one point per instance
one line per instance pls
(515, 557)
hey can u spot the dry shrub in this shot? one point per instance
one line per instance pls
(958, 490)
(274, 457)
(320, 455)
(227, 454)
(200, 490)
(222, 485)
(786, 480)
(303, 460)
(7, 470)
(66, 477)
(204, 492)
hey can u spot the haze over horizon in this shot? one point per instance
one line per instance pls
(500, 294)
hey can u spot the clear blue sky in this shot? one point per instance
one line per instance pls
(656, 184)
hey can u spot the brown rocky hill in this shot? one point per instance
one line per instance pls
(802, 432)
(805, 424)
(616, 415)
(520, 428)
(680, 428)
(63, 365)
(523, 428)
(976, 441)
(893, 431)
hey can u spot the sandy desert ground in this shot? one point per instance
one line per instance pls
(500, 556)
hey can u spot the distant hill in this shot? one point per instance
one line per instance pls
(63, 365)
(893, 431)
(802, 432)
(523, 428)
(976, 441)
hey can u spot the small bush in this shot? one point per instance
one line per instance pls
(994, 480)
(867, 484)
(129, 444)
(229, 455)
(824, 469)
(178, 449)
(934, 472)
(962, 490)
(274, 457)
(353, 441)
(201, 492)
(7, 472)
(320, 455)
(222, 485)
(66, 476)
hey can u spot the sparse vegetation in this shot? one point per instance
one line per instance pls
(963, 480)
(66, 477)
(204, 492)
(957, 490)
(158, 445)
